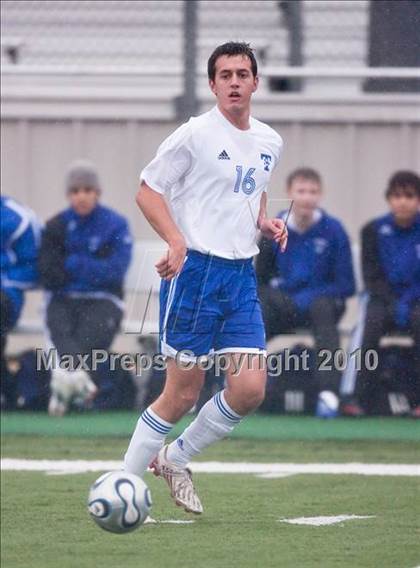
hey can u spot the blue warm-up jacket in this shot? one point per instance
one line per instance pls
(20, 232)
(391, 263)
(316, 263)
(86, 256)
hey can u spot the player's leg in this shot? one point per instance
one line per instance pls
(279, 311)
(61, 321)
(324, 315)
(241, 338)
(61, 325)
(181, 391)
(98, 321)
(244, 392)
(415, 330)
(375, 321)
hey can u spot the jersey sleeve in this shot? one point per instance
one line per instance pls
(277, 149)
(172, 161)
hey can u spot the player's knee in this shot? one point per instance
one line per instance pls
(188, 398)
(323, 308)
(415, 316)
(253, 398)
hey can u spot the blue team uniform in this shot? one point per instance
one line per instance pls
(397, 264)
(19, 249)
(211, 307)
(86, 256)
(316, 263)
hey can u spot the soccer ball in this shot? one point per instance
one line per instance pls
(119, 502)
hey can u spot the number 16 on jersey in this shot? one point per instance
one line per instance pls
(247, 183)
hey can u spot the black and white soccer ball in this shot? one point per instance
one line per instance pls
(119, 502)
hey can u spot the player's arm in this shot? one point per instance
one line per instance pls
(274, 229)
(154, 207)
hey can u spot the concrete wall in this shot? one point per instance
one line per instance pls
(355, 152)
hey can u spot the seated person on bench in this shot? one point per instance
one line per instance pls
(20, 233)
(391, 273)
(307, 285)
(84, 256)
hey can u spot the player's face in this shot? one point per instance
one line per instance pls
(83, 200)
(404, 205)
(306, 195)
(234, 83)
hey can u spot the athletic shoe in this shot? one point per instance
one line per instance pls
(351, 408)
(68, 386)
(57, 407)
(180, 482)
(85, 389)
(415, 413)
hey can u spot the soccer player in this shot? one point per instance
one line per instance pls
(309, 284)
(391, 273)
(205, 194)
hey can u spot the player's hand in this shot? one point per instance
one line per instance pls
(171, 264)
(276, 230)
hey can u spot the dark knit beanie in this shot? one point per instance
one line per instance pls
(82, 173)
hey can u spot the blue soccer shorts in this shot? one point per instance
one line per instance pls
(210, 307)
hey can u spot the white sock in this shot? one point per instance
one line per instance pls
(214, 421)
(146, 441)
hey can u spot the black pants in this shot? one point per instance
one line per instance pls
(282, 316)
(379, 320)
(7, 382)
(77, 326)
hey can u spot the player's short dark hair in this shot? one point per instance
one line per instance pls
(405, 182)
(231, 48)
(305, 173)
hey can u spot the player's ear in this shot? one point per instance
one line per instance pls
(256, 83)
(212, 86)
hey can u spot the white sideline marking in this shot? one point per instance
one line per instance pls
(82, 466)
(322, 521)
(273, 475)
(150, 521)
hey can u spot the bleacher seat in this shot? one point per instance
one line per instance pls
(111, 33)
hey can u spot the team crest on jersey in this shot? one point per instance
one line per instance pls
(266, 158)
(320, 245)
(93, 244)
(386, 230)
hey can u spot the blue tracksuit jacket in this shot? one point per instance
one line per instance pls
(20, 232)
(316, 263)
(88, 256)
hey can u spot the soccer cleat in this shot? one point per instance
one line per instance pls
(180, 482)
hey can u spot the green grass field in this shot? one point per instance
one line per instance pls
(45, 522)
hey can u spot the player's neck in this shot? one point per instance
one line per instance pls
(240, 120)
(305, 220)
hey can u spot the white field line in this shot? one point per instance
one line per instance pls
(151, 521)
(82, 466)
(324, 521)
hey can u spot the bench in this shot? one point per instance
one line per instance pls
(142, 302)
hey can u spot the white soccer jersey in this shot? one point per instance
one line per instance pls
(213, 175)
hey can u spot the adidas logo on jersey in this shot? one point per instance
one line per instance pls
(223, 155)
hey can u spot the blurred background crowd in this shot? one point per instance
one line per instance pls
(89, 90)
